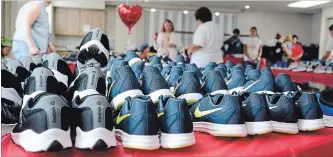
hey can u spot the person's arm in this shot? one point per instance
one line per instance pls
(192, 48)
(329, 49)
(259, 53)
(199, 41)
(327, 54)
(301, 54)
(32, 17)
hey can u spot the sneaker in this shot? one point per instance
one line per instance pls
(219, 115)
(292, 66)
(193, 67)
(132, 57)
(37, 60)
(253, 75)
(172, 78)
(265, 84)
(248, 69)
(236, 82)
(284, 84)
(257, 116)
(166, 70)
(222, 70)
(137, 124)
(311, 116)
(189, 88)
(214, 83)
(326, 103)
(300, 68)
(159, 67)
(181, 66)
(180, 59)
(155, 60)
(329, 70)
(137, 68)
(153, 84)
(175, 123)
(209, 67)
(320, 69)
(93, 120)
(44, 121)
(229, 65)
(283, 112)
(27, 63)
(124, 84)
(113, 64)
(18, 70)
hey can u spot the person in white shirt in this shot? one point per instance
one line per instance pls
(252, 48)
(329, 46)
(207, 40)
(168, 42)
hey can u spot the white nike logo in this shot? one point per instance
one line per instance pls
(248, 87)
(272, 107)
(229, 81)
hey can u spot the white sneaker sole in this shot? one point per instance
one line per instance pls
(220, 92)
(191, 98)
(34, 142)
(174, 141)
(288, 128)
(119, 100)
(138, 141)
(328, 121)
(258, 128)
(232, 130)
(310, 125)
(87, 140)
(154, 95)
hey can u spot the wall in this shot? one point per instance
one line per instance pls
(9, 13)
(326, 13)
(316, 23)
(268, 24)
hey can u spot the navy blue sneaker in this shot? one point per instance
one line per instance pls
(137, 124)
(236, 82)
(234, 68)
(219, 115)
(253, 75)
(189, 88)
(159, 67)
(326, 103)
(257, 116)
(240, 65)
(193, 67)
(173, 77)
(124, 84)
(166, 70)
(265, 84)
(283, 112)
(172, 64)
(209, 67)
(112, 64)
(222, 71)
(229, 66)
(131, 57)
(284, 84)
(180, 59)
(266, 69)
(248, 68)
(137, 68)
(181, 66)
(214, 83)
(155, 60)
(175, 123)
(310, 115)
(154, 84)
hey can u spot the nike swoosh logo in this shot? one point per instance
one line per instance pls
(121, 118)
(272, 107)
(248, 87)
(229, 81)
(198, 113)
(203, 84)
(160, 114)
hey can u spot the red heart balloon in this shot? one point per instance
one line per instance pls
(130, 15)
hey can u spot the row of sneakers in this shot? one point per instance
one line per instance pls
(312, 66)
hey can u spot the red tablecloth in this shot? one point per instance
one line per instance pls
(305, 77)
(319, 143)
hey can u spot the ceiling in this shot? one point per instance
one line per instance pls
(231, 6)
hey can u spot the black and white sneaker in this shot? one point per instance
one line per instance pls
(43, 123)
(27, 62)
(93, 112)
(18, 70)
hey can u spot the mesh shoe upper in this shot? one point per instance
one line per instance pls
(237, 79)
(284, 83)
(193, 67)
(137, 67)
(17, 68)
(27, 63)
(214, 82)
(174, 75)
(255, 107)
(266, 83)
(152, 80)
(282, 108)
(156, 60)
(189, 83)
(308, 106)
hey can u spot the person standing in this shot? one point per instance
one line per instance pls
(32, 36)
(233, 44)
(252, 48)
(168, 42)
(207, 40)
(329, 46)
(296, 50)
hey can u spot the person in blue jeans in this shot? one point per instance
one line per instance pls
(252, 48)
(31, 35)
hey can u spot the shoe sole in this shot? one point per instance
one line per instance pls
(7, 128)
(119, 100)
(220, 92)
(99, 138)
(149, 142)
(288, 128)
(258, 128)
(310, 125)
(232, 130)
(237, 90)
(52, 139)
(156, 94)
(328, 121)
(191, 98)
(174, 141)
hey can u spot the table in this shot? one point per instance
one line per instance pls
(318, 143)
(305, 77)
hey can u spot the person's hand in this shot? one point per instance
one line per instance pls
(34, 51)
(172, 45)
(52, 48)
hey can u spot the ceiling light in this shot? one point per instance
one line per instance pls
(185, 12)
(306, 4)
(146, 1)
(247, 7)
(153, 10)
(217, 13)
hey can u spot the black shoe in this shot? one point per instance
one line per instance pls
(214, 83)
(219, 115)
(257, 116)
(18, 70)
(136, 124)
(93, 113)
(189, 88)
(283, 112)
(175, 123)
(44, 121)
(153, 84)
